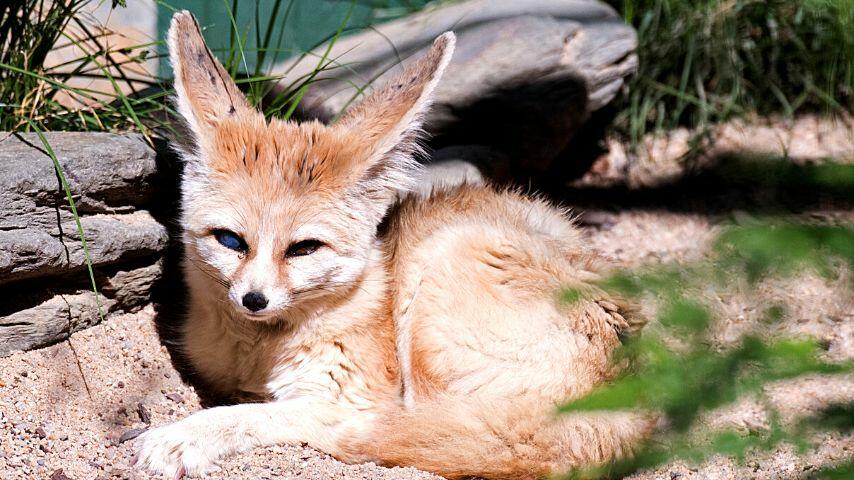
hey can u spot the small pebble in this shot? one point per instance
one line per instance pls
(144, 416)
(175, 397)
(41, 433)
(131, 434)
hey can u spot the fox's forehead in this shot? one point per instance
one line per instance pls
(255, 208)
(273, 179)
(283, 155)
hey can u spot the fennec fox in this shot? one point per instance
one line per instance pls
(425, 332)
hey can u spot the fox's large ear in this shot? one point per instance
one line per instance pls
(206, 93)
(389, 120)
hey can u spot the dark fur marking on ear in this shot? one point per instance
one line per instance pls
(213, 62)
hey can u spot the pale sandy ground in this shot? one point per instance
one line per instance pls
(51, 427)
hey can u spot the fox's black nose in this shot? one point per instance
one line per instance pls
(254, 301)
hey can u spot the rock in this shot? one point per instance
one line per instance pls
(175, 397)
(110, 239)
(131, 434)
(132, 289)
(144, 416)
(524, 77)
(109, 176)
(58, 316)
(58, 474)
(44, 279)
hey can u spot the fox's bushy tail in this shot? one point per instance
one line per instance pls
(502, 439)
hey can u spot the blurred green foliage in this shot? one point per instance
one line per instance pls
(678, 372)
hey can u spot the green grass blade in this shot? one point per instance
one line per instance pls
(73, 206)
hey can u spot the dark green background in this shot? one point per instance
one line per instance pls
(309, 23)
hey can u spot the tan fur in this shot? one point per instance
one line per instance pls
(437, 341)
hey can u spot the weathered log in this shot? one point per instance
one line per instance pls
(524, 77)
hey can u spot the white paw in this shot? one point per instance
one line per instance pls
(176, 450)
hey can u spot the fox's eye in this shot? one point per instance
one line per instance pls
(230, 240)
(303, 248)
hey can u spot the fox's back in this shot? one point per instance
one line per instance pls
(477, 274)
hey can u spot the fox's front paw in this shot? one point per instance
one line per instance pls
(175, 450)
